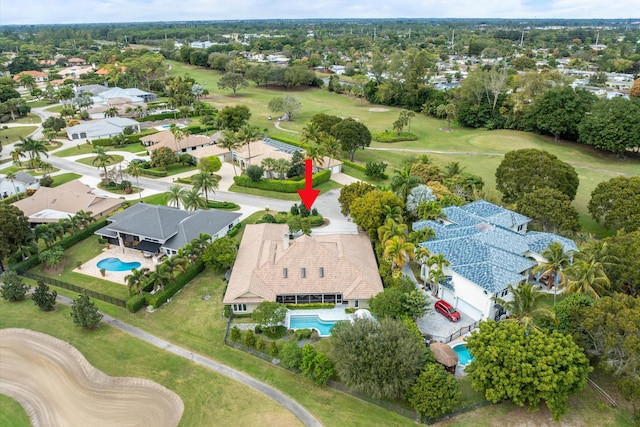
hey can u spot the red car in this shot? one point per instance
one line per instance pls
(446, 310)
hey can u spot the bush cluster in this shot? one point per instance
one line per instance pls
(154, 173)
(282, 186)
(135, 303)
(391, 136)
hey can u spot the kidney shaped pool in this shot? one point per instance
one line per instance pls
(115, 264)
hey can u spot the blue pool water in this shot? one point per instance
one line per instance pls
(114, 264)
(464, 357)
(165, 127)
(297, 321)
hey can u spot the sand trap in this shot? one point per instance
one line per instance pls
(57, 386)
(378, 110)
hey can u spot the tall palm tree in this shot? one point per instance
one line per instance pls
(16, 154)
(311, 133)
(247, 134)
(11, 176)
(176, 264)
(402, 182)
(192, 200)
(161, 276)
(436, 274)
(230, 142)
(331, 147)
(525, 307)
(135, 170)
(174, 195)
(102, 159)
(111, 112)
(134, 280)
(205, 181)
(394, 213)
(268, 165)
(315, 152)
(44, 233)
(178, 135)
(281, 167)
(32, 147)
(587, 273)
(397, 250)
(557, 260)
(85, 218)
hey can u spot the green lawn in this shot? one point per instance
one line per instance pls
(56, 109)
(28, 119)
(83, 252)
(324, 187)
(207, 396)
(156, 199)
(37, 104)
(63, 178)
(32, 172)
(75, 151)
(462, 144)
(13, 134)
(89, 160)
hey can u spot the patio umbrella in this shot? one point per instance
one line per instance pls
(444, 355)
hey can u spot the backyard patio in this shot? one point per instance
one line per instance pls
(126, 255)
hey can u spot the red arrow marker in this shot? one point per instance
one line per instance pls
(308, 195)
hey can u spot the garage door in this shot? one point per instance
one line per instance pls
(447, 294)
(469, 309)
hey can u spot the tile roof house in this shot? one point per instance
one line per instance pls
(39, 76)
(166, 139)
(105, 128)
(334, 268)
(51, 204)
(162, 229)
(488, 249)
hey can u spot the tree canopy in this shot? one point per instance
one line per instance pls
(368, 211)
(523, 171)
(551, 211)
(220, 254)
(288, 105)
(352, 136)
(616, 203)
(526, 366)
(382, 359)
(268, 314)
(15, 230)
(613, 125)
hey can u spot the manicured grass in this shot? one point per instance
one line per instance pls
(12, 414)
(324, 187)
(28, 119)
(37, 104)
(130, 148)
(89, 160)
(13, 134)
(83, 252)
(32, 172)
(63, 178)
(76, 151)
(207, 396)
(56, 109)
(155, 199)
(53, 146)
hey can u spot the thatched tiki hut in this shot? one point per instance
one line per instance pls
(445, 356)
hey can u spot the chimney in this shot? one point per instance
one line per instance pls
(285, 241)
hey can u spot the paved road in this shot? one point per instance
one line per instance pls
(291, 405)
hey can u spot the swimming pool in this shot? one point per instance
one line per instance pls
(464, 357)
(115, 264)
(298, 321)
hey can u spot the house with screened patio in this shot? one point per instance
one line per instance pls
(332, 268)
(488, 248)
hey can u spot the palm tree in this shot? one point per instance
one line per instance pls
(391, 228)
(28, 81)
(85, 218)
(311, 133)
(402, 182)
(557, 260)
(525, 308)
(192, 200)
(176, 264)
(452, 169)
(102, 159)
(247, 134)
(281, 167)
(161, 276)
(587, 273)
(268, 165)
(331, 147)
(44, 233)
(394, 213)
(315, 152)
(28, 247)
(50, 134)
(178, 135)
(111, 112)
(135, 170)
(134, 280)
(397, 250)
(436, 274)
(231, 142)
(174, 195)
(32, 147)
(11, 176)
(205, 181)
(16, 154)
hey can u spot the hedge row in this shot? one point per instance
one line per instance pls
(13, 198)
(154, 173)
(229, 206)
(159, 298)
(389, 136)
(161, 116)
(288, 141)
(358, 166)
(135, 303)
(282, 186)
(235, 230)
(131, 139)
(310, 306)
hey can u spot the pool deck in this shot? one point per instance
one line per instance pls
(326, 314)
(90, 268)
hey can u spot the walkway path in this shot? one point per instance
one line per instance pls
(291, 405)
(277, 125)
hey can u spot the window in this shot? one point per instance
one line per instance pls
(521, 227)
(356, 303)
(303, 272)
(239, 307)
(284, 273)
(504, 293)
(321, 271)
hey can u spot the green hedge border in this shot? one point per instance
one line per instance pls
(282, 186)
(156, 300)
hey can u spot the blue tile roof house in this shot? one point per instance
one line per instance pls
(488, 248)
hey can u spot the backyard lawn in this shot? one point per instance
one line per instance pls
(89, 160)
(13, 134)
(324, 187)
(63, 178)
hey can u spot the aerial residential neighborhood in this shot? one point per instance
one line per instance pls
(287, 222)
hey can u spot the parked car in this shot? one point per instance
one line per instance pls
(446, 310)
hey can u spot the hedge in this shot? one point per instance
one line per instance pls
(229, 206)
(389, 136)
(288, 141)
(282, 186)
(135, 303)
(12, 198)
(161, 116)
(154, 173)
(355, 165)
(159, 298)
(309, 306)
(235, 230)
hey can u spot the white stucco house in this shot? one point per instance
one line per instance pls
(105, 128)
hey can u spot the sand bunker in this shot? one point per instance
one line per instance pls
(378, 110)
(57, 386)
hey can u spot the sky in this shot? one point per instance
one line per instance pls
(95, 11)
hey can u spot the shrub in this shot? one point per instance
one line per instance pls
(376, 170)
(274, 350)
(268, 218)
(229, 206)
(261, 344)
(159, 298)
(303, 334)
(249, 339)
(226, 311)
(135, 303)
(46, 181)
(390, 136)
(44, 298)
(156, 173)
(13, 288)
(355, 165)
(235, 230)
(282, 186)
(257, 329)
(235, 334)
(255, 173)
(290, 355)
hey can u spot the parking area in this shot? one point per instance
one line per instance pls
(438, 326)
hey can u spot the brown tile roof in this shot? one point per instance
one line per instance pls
(166, 139)
(31, 73)
(348, 263)
(69, 198)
